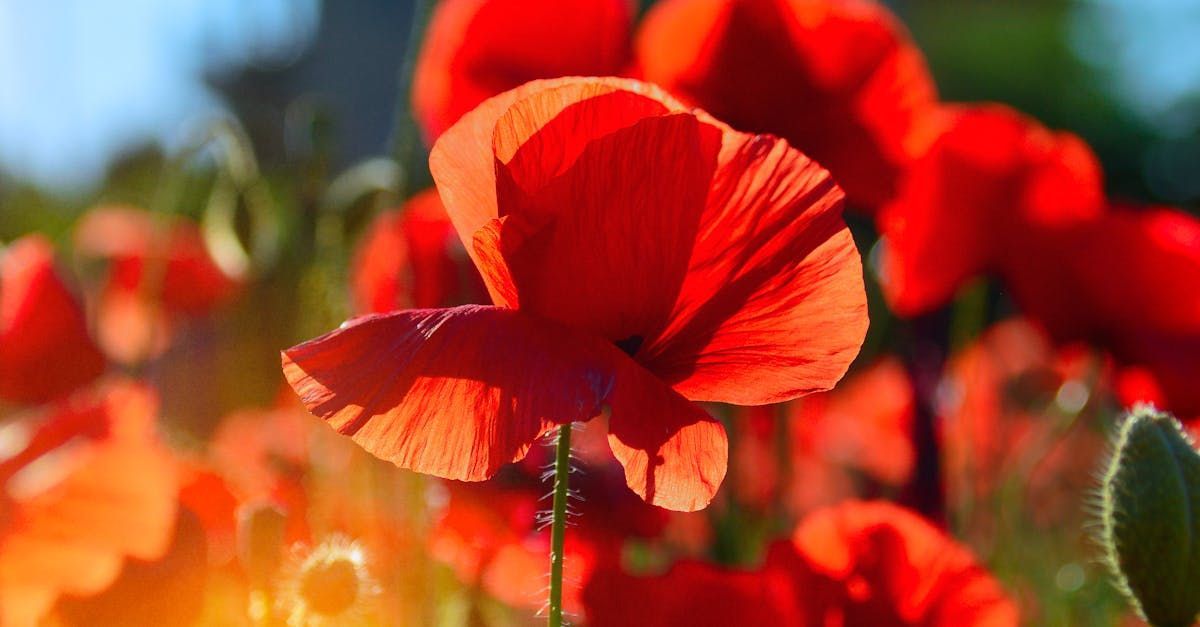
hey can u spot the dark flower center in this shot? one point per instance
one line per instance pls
(630, 344)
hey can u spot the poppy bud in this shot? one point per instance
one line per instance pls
(1150, 506)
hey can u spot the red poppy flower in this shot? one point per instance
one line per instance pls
(873, 563)
(858, 563)
(695, 594)
(162, 257)
(865, 424)
(1127, 281)
(475, 49)
(1002, 400)
(206, 494)
(411, 257)
(839, 79)
(970, 204)
(860, 431)
(640, 256)
(87, 485)
(159, 269)
(45, 349)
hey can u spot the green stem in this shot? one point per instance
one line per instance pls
(558, 525)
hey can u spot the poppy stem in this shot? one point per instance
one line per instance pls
(558, 525)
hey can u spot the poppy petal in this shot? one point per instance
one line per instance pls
(481, 382)
(463, 163)
(673, 452)
(608, 215)
(411, 257)
(773, 304)
(166, 259)
(485, 382)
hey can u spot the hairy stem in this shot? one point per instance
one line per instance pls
(558, 525)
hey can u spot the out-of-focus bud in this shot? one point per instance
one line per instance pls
(1151, 517)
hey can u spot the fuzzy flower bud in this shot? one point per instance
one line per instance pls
(1150, 522)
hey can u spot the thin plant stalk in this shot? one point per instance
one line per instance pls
(558, 525)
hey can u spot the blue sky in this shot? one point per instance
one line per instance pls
(80, 80)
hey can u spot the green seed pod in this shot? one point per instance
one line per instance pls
(1150, 523)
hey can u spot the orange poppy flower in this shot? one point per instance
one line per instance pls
(45, 349)
(970, 205)
(411, 257)
(640, 256)
(839, 79)
(166, 592)
(858, 563)
(86, 484)
(475, 49)
(265, 456)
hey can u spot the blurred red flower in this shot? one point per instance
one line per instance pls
(834, 440)
(86, 483)
(264, 456)
(873, 563)
(411, 257)
(858, 563)
(1127, 281)
(640, 256)
(159, 269)
(45, 349)
(475, 49)
(1001, 406)
(163, 257)
(865, 423)
(973, 203)
(839, 79)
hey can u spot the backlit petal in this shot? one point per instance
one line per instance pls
(450, 392)
(773, 304)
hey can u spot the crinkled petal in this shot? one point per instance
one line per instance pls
(456, 392)
(773, 304)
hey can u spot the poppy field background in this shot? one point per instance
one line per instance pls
(992, 212)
